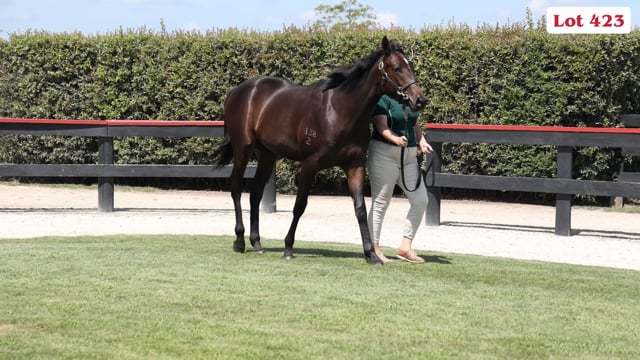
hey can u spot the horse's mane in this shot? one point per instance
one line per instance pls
(349, 76)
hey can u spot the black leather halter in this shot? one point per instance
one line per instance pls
(400, 90)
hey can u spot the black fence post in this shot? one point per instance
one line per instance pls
(563, 201)
(105, 184)
(629, 121)
(268, 203)
(434, 165)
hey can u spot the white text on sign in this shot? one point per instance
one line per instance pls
(588, 20)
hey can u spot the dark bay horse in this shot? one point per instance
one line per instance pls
(320, 125)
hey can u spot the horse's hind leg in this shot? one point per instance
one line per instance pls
(304, 185)
(237, 175)
(265, 168)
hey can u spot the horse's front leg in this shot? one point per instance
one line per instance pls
(355, 179)
(304, 185)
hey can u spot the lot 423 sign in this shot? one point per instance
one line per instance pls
(588, 20)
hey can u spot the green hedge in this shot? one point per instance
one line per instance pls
(517, 75)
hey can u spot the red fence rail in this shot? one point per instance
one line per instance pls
(532, 128)
(105, 171)
(563, 186)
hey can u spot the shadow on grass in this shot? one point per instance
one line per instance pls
(314, 252)
(436, 259)
(343, 254)
(544, 229)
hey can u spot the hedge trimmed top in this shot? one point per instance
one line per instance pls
(514, 75)
(509, 75)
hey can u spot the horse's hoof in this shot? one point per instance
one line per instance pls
(238, 247)
(258, 248)
(288, 256)
(375, 261)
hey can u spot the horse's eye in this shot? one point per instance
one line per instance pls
(397, 70)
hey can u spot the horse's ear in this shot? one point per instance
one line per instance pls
(385, 44)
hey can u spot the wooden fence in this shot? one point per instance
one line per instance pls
(563, 138)
(106, 170)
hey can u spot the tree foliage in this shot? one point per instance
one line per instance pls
(347, 15)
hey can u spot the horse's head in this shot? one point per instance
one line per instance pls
(398, 79)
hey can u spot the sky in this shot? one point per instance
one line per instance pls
(92, 17)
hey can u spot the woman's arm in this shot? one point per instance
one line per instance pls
(380, 122)
(423, 146)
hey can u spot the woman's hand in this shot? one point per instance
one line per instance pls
(424, 146)
(401, 141)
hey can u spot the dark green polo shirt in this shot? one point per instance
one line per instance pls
(392, 109)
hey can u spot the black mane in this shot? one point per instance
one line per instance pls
(349, 76)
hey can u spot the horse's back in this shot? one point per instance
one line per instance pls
(277, 115)
(255, 90)
(254, 98)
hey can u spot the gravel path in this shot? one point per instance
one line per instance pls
(601, 238)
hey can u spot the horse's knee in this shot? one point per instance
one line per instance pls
(361, 212)
(298, 208)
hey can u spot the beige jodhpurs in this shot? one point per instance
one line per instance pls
(383, 165)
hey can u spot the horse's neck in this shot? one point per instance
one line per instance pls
(365, 97)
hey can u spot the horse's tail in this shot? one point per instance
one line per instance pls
(224, 153)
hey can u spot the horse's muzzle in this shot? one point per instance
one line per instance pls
(420, 102)
(416, 103)
(414, 97)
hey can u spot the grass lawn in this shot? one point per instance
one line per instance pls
(165, 297)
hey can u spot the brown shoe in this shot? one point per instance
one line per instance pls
(383, 258)
(410, 256)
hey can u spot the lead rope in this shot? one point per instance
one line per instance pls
(406, 124)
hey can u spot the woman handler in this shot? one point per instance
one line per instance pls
(392, 132)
